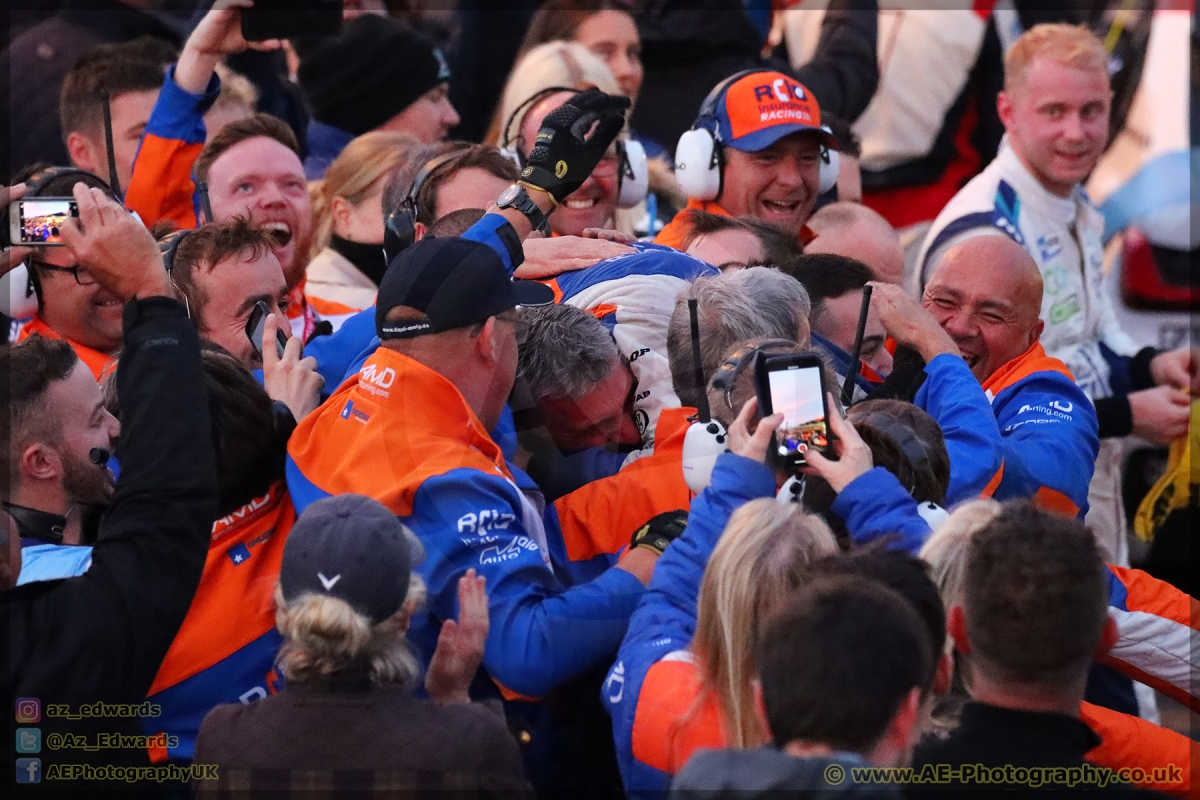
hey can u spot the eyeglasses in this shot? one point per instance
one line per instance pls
(520, 327)
(81, 277)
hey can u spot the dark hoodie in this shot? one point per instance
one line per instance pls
(766, 771)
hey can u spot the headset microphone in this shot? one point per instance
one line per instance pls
(706, 438)
(99, 456)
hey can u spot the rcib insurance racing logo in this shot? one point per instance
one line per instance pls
(783, 101)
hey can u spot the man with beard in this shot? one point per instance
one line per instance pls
(52, 479)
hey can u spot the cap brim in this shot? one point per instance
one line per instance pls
(532, 293)
(760, 140)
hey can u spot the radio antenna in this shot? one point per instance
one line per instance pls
(113, 183)
(856, 356)
(702, 399)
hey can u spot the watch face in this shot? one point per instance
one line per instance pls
(508, 196)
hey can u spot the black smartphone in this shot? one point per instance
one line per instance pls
(794, 385)
(37, 221)
(291, 19)
(256, 325)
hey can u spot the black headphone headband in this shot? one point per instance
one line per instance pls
(506, 137)
(726, 376)
(38, 181)
(400, 224)
(707, 116)
(168, 245)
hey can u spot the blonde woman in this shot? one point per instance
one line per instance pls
(347, 253)
(347, 719)
(684, 675)
(1127, 742)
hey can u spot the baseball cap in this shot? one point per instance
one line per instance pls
(455, 282)
(761, 108)
(353, 548)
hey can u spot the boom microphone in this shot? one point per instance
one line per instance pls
(99, 456)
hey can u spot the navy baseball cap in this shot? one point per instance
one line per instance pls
(455, 282)
(353, 548)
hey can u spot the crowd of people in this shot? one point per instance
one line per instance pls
(397, 414)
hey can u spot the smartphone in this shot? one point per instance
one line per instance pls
(291, 19)
(794, 385)
(37, 222)
(256, 325)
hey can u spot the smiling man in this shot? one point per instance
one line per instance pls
(1055, 108)
(767, 134)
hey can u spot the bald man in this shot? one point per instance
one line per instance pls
(855, 231)
(1015, 423)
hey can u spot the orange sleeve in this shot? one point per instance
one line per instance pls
(1151, 756)
(161, 187)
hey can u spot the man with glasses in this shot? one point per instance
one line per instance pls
(72, 306)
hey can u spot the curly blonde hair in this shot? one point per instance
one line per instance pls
(324, 635)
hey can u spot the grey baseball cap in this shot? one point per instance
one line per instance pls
(353, 548)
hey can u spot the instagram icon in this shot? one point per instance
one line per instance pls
(29, 709)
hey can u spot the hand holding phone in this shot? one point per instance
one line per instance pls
(256, 327)
(38, 221)
(854, 456)
(794, 385)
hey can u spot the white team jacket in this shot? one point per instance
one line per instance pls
(1064, 237)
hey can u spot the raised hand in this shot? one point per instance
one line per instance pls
(293, 380)
(460, 645)
(112, 246)
(752, 445)
(572, 140)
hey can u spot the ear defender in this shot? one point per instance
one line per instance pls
(633, 173)
(830, 164)
(17, 297)
(698, 162)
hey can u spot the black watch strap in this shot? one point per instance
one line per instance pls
(521, 201)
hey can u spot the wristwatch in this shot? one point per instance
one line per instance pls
(516, 197)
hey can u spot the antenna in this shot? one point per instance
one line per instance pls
(856, 356)
(114, 184)
(702, 400)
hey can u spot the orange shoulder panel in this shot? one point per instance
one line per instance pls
(95, 361)
(1127, 742)
(1147, 593)
(235, 602)
(1031, 361)
(599, 518)
(675, 717)
(1055, 502)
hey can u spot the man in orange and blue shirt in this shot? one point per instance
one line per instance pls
(979, 332)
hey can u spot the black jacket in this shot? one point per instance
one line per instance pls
(1003, 740)
(101, 637)
(689, 47)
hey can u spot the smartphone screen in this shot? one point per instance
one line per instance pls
(256, 327)
(796, 393)
(39, 221)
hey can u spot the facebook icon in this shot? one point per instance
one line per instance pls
(29, 770)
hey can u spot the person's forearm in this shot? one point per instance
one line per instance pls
(519, 221)
(195, 70)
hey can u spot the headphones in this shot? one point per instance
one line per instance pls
(633, 171)
(726, 376)
(168, 245)
(18, 293)
(699, 156)
(400, 226)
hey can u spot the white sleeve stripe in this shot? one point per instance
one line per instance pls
(1157, 646)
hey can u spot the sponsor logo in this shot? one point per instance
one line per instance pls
(328, 583)
(1064, 309)
(486, 520)
(239, 553)
(1049, 247)
(615, 685)
(382, 378)
(497, 554)
(1055, 409)
(350, 412)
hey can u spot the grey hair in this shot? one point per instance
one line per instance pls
(737, 305)
(324, 635)
(568, 352)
